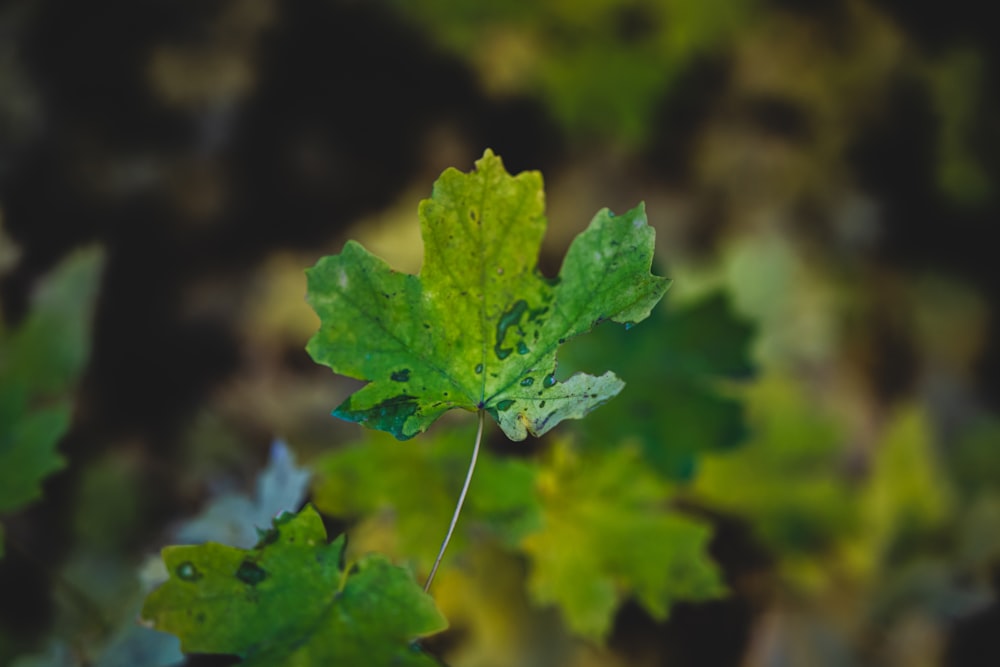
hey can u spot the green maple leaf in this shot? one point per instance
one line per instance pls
(290, 601)
(479, 327)
(608, 534)
(673, 365)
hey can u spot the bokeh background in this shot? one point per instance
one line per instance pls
(822, 176)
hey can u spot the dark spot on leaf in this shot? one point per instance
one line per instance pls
(389, 415)
(521, 347)
(187, 571)
(542, 404)
(479, 369)
(250, 573)
(505, 405)
(200, 617)
(509, 319)
(266, 537)
(401, 375)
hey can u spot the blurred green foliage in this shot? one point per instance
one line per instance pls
(675, 367)
(601, 66)
(41, 361)
(608, 535)
(596, 526)
(400, 499)
(786, 476)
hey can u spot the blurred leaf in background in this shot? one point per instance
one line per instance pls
(673, 366)
(601, 66)
(402, 495)
(907, 497)
(41, 361)
(236, 519)
(786, 480)
(608, 534)
(955, 82)
(596, 527)
(131, 646)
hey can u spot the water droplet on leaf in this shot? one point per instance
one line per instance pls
(479, 369)
(549, 381)
(504, 405)
(527, 382)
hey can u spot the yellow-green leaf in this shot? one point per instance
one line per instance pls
(290, 601)
(608, 534)
(480, 326)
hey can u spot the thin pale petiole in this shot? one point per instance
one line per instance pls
(461, 500)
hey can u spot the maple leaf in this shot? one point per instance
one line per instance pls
(608, 534)
(673, 365)
(41, 361)
(289, 601)
(479, 327)
(379, 482)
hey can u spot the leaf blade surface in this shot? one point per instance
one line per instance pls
(480, 326)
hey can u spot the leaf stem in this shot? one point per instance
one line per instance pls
(461, 500)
